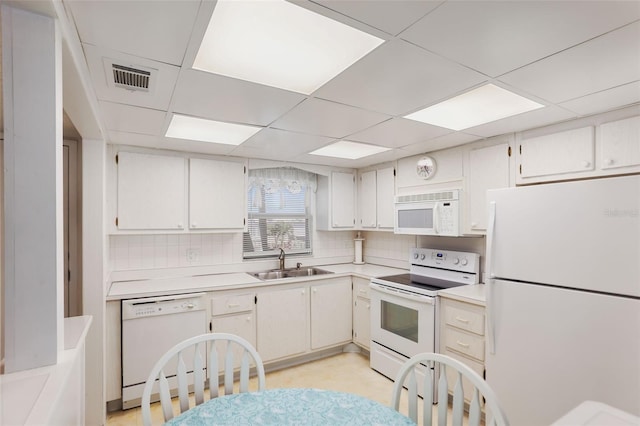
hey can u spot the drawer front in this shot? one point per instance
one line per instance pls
(464, 316)
(468, 344)
(361, 288)
(229, 304)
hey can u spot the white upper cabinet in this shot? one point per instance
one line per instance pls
(488, 167)
(385, 197)
(336, 201)
(448, 172)
(151, 192)
(368, 201)
(217, 194)
(377, 192)
(568, 152)
(620, 143)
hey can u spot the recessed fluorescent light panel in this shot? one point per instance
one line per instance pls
(479, 106)
(279, 44)
(349, 150)
(199, 129)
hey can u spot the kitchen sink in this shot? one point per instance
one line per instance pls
(274, 274)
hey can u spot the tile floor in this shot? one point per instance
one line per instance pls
(346, 372)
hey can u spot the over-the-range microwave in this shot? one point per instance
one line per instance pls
(431, 213)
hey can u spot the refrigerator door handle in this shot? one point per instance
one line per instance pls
(490, 279)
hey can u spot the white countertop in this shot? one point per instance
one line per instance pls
(474, 293)
(165, 286)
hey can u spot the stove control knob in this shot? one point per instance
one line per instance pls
(464, 262)
(456, 260)
(422, 256)
(415, 255)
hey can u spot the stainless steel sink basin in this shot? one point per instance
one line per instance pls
(275, 274)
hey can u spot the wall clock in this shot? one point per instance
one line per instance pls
(426, 167)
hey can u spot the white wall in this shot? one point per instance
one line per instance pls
(94, 275)
(33, 269)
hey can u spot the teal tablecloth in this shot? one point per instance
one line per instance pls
(291, 407)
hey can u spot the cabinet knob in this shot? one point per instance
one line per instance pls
(315, 290)
(302, 292)
(474, 224)
(586, 164)
(248, 319)
(609, 161)
(194, 225)
(180, 226)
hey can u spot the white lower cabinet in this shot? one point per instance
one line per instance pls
(331, 313)
(235, 314)
(300, 318)
(361, 313)
(462, 328)
(283, 322)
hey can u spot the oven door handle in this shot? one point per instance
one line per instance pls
(401, 293)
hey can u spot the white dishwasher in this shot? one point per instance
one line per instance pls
(150, 326)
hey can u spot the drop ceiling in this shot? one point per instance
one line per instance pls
(576, 58)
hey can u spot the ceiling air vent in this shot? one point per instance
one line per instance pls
(130, 78)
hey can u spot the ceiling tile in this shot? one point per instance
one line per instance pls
(390, 16)
(398, 78)
(158, 30)
(398, 132)
(222, 98)
(279, 144)
(324, 118)
(161, 142)
(495, 37)
(626, 94)
(163, 79)
(602, 63)
(442, 142)
(527, 120)
(126, 118)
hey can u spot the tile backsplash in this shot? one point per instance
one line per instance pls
(136, 252)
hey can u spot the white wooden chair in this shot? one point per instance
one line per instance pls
(188, 355)
(407, 374)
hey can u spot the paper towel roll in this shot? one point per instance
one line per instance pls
(358, 251)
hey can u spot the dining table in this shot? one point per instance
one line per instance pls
(291, 406)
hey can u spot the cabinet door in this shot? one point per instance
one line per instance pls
(217, 194)
(342, 200)
(620, 142)
(151, 191)
(557, 154)
(488, 169)
(331, 313)
(385, 197)
(283, 323)
(241, 324)
(368, 202)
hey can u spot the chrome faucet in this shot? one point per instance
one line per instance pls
(281, 258)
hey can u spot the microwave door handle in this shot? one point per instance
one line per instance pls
(436, 218)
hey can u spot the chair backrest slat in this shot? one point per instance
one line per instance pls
(244, 372)
(165, 397)
(182, 354)
(443, 395)
(198, 375)
(213, 370)
(464, 376)
(228, 370)
(474, 409)
(458, 402)
(427, 395)
(183, 384)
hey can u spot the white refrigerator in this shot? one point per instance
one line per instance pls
(563, 305)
